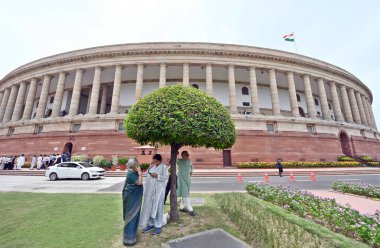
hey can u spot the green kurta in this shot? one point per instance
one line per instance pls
(185, 167)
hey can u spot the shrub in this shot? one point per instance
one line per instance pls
(324, 211)
(297, 164)
(26, 165)
(357, 189)
(106, 163)
(144, 166)
(122, 160)
(366, 158)
(97, 160)
(345, 158)
(374, 163)
(79, 158)
(266, 225)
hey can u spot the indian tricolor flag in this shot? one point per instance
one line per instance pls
(289, 37)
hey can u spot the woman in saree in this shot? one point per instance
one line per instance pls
(132, 199)
(152, 214)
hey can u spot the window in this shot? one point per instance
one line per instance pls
(195, 86)
(318, 113)
(244, 91)
(38, 129)
(52, 99)
(64, 165)
(10, 131)
(311, 128)
(72, 165)
(298, 98)
(332, 117)
(330, 106)
(271, 127)
(316, 102)
(246, 104)
(120, 127)
(75, 127)
(362, 133)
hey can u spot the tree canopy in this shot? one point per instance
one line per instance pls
(180, 115)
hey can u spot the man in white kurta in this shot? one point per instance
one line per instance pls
(154, 195)
(33, 162)
(39, 162)
(20, 162)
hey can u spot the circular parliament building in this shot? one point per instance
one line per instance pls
(284, 105)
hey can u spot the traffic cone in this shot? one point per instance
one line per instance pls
(266, 178)
(291, 177)
(312, 176)
(240, 178)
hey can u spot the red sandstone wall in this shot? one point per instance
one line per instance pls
(250, 145)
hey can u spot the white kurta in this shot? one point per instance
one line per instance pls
(20, 162)
(154, 194)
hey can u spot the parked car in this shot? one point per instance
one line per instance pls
(80, 170)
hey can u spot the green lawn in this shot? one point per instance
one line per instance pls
(89, 220)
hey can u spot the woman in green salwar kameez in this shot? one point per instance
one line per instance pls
(132, 199)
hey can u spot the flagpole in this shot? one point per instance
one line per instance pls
(295, 43)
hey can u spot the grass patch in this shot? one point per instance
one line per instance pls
(90, 220)
(267, 225)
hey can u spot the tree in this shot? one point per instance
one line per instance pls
(180, 116)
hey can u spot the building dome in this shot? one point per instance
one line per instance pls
(284, 105)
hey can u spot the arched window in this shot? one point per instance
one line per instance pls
(316, 102)
(244, 91)
(298, 98)
(330, 106)
(195, 86)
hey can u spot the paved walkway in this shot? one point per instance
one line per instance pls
(361, 204)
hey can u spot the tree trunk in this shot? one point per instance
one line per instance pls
(173, 186)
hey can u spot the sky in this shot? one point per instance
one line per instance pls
(344, 33)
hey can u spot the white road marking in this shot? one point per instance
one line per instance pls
(349, 179)
(207, 182)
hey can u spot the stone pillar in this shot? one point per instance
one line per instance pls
(335, 101)
(19, 102)
(30, 99)
(323, 100)
(292, 94)
(95, 92)
(116, 90)
(254, 92)
(139, 81)
(1, 96)
(43, 97)
(361, 108)
(186, 75)
(75, 98)
(162, 82)
(346, 104)
(274, 92)
(103, 103)
(232, 89)
(366, 111)
(11, 103)
(354, 106)
(59, 94)
(372, 115)
(209, 86)
(309, 97)
(89, 99)
(4, 102)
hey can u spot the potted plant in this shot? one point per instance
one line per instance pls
(144, 166)
(106, 164)
(122, 161)
(79, 158)
(97, 160)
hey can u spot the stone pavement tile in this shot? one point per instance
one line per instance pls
(214, 238)
(360, 204)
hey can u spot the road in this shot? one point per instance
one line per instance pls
(201, 185)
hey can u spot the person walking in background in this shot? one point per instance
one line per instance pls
(46, 161)
(185, 170)
(132, 200)
(32, 162)
(152, 214)
(20, 162)
(279, 166)
(39, 162)
(13, 162)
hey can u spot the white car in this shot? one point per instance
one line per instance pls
(80, 170)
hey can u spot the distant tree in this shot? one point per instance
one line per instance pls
(180, 116)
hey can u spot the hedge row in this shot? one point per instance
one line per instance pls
(298, 164)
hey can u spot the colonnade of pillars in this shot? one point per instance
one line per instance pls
(356, 106)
